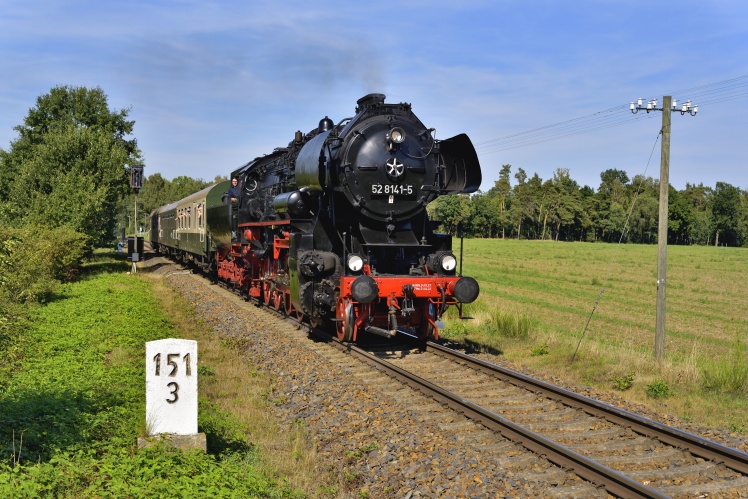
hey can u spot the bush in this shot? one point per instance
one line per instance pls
(659, 390)
(539, 350)
(34, 260)
(623, 383)
(12, 322)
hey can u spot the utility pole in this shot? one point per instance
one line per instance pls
(668, 105)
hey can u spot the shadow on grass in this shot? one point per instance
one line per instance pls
(35, 423)
(115, 262)
(470, 347)
(105, 262)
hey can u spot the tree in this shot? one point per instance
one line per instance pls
(502, 190)
(727, 214)
(68, 166)
(681, 217)
(155, 192)
(451, 210)
(700, 197)
(587, 213)
(483, 215)
(523, 204)
(612, 182)
(183, 186)
(566, 200)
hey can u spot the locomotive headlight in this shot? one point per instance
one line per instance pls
(448, 262)
(355, 263)
(396, 135)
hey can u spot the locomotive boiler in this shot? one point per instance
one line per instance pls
(333, 228)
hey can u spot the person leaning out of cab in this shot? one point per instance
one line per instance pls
(233, 193)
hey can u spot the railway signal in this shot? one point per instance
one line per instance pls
(136, 183)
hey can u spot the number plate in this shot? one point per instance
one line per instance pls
(397, 190)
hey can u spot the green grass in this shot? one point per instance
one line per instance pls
(72, 408)
(543, 293)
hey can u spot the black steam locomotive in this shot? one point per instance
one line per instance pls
(333, 228)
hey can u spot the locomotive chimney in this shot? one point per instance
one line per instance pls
(368, 101)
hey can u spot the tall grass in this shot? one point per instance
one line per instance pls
(727, 376)
(510, 324)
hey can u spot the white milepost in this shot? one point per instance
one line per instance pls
(171, 386)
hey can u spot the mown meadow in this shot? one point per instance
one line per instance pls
(537, 297)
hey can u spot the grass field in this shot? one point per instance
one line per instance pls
(536, 298)
(72, 406)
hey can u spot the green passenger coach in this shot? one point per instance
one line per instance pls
(195, 228)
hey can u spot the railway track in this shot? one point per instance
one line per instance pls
(613, 452)
(626, 454)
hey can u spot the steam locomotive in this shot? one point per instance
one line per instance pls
(333, 228)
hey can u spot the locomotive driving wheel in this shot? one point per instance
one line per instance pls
(267, 292)
(345, 318)
(287, 305)
(277, 299)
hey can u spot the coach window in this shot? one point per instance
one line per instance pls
(199, 215)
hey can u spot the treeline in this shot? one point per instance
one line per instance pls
(621, 209)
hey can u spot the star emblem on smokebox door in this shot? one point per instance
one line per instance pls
(394, 167)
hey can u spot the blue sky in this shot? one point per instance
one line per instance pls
(539, 85)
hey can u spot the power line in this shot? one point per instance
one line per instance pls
(711, 93)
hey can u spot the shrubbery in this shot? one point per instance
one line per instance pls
(34, 260)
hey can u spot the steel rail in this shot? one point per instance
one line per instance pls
(615, 483)
(732, 458)
(612, 481)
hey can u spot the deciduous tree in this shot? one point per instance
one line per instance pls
(68, 167)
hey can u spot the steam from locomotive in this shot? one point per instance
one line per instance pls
(333, 228)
